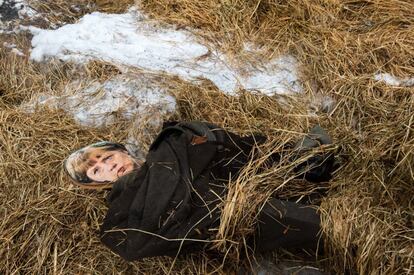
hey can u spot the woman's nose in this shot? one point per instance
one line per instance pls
(112, 166)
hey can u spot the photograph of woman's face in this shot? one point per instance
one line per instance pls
(109, 165)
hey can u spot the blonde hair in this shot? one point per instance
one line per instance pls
(77, 163)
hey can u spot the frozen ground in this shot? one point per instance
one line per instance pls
(131, 39)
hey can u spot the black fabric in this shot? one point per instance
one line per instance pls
(286, 224)
(170, 205)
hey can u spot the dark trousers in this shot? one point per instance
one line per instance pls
(281, 224)
(288, 225)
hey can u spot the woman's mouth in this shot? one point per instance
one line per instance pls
(121, 171)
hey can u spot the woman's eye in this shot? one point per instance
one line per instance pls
(108, 157)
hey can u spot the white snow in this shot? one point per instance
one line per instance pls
(17, 52)
(131, 39)
(9, 45)
(101, 104)
(24, 9)
(1, 2)
(13, 48)
(394, 81)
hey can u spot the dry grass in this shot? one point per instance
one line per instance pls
(48, 226)
(59, 12)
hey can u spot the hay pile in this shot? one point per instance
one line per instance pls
(48, 226)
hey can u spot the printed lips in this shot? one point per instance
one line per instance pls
(121, 171)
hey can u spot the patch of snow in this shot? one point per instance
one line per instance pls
(17, 52)
(75, 8)
(101, 104)
(13, 48)
(278, 76)
(9, 45)
(131, 39)
(394, 81)
(1, 3)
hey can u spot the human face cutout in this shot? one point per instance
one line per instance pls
(109, 165)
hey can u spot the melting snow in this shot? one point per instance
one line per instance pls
(131, 39)
(394, 81)
(100, 104)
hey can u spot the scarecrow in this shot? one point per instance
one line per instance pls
(170, 204)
